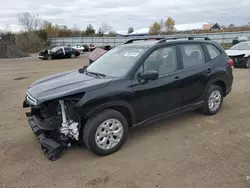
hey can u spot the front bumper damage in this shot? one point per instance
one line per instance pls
(50, 147)
(240, 60)
(53, 134)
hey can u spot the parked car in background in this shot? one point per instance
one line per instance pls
(237, 40)
(60, 52)
(82, 48)
(131, 84)
(240, 53)
(92, 47)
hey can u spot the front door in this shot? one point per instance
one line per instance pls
(59, 53)
(157, 97)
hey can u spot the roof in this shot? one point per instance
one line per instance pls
(151, 42)
(143, 43)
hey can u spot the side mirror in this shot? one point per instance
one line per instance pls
(149, 75)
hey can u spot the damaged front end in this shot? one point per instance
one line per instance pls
(240, 60)
(55, 124)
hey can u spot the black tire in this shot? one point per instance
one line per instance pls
(72, 56)
(92, 125)
(247, 65)
(49, 57)
(206, 110)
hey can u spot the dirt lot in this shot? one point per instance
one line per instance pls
(191, 150)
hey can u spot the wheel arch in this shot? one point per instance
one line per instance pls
(219, 82)
(121, 106)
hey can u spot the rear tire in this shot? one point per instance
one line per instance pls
(213, 100)
(72, 56)
(247, 65)
(105, 132)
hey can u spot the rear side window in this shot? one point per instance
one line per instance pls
(68, 49)
(192, 55)
(213, 51)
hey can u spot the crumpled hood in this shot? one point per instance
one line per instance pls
(64, 84)
(238, 52)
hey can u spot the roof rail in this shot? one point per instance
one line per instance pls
(188, 37)
(151, 38)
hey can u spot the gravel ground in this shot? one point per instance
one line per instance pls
(189, 150)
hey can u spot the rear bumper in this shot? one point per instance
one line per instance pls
(50, 147)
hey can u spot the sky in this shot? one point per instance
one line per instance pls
(121, 14)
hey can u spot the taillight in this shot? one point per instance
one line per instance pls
(230, 62)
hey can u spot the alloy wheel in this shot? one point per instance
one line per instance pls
(109, 134)
(214, 100)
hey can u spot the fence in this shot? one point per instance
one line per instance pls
(224, 38)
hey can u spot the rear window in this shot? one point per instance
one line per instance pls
(213, 51)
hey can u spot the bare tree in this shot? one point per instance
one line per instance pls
(29, 22)
(105, 28)
(231, 26)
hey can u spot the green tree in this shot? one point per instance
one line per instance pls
(155, 29)
(130, 30)
(169, 25)
(90, 30)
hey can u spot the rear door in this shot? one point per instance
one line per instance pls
(196, 70)
(68, 52)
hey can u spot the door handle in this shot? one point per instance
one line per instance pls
(177, 79)
(209, 70)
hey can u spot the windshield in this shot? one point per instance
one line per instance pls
(116, 62)
(241, 46)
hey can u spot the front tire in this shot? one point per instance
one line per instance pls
(105, 132)
(213, 100)
(49, 57)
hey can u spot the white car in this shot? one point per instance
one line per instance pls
(240, 53)
(81, 49)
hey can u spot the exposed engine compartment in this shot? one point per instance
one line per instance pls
(56, 126)
(69, 127)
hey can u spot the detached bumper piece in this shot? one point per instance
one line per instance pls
(50, 147)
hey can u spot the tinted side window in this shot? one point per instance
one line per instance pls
(163, 60)
(192, 55)
(60, 50)
(213, 51)
(169, 61)
(68, 49)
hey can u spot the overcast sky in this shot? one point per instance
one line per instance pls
(121, 14)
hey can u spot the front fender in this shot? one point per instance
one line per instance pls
(113, 104)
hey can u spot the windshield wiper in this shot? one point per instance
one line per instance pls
(96, 74)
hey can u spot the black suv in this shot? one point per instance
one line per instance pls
(138, 82)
